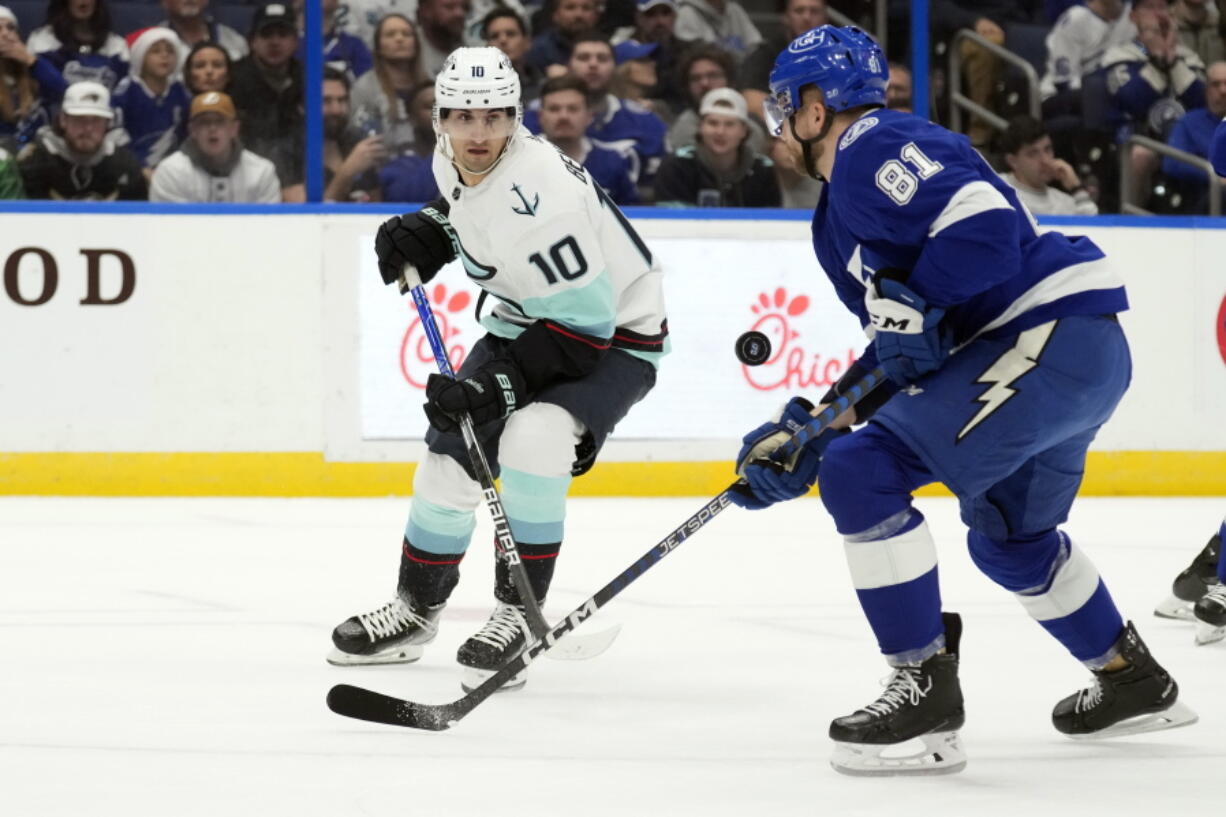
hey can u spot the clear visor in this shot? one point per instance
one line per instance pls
(478, 124)
(776, 114)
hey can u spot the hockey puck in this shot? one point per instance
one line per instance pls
(753, 348)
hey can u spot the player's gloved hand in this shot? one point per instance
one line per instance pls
(768, 481)
(490, 393)
(766, 438)
(415, 245)
(909, 339)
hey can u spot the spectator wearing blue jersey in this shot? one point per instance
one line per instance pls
(30, 86)
(722, 22)
(1217, 149)
(551, 49)
(1194, 134)
(564, 119)
(409, 177)
(721, 169)
(623, 124)
(341, 49)
(208, 68)
(78, 41)
(152, 103)
(190, 21)
(1151, 82)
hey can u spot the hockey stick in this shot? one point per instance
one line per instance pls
(580, 648)
(364, 704)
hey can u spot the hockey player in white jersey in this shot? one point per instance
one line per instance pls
(573, 342)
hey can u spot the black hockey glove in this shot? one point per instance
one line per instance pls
(488, 394)
(424, 240)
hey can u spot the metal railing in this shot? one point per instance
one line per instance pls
(881, 15)
(1126, 180)
(959, 101)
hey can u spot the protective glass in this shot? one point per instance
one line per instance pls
(777, 110)
(479, 124)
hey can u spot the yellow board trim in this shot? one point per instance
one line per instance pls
(1116, 473)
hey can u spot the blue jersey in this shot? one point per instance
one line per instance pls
(155, 124)
(910, 195)
(1192, 133)
(408, 178)
(615, 171)
(344, 52)
(1217, 149)
(623, 125)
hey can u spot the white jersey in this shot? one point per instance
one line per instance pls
(1076, 45)
(547, 243)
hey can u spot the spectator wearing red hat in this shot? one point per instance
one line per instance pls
(152, 102)
(78, 41)
(212, 165)
(78, 160)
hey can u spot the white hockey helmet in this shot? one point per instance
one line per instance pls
(476, 78)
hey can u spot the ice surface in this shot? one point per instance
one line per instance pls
(166, 657)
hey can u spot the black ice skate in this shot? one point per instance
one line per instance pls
(501, 639)
(1190, 585)
(1142, 697)
(923, 702)
(1210, 612)
(393, 634)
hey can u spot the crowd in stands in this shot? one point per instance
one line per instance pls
(662, 100)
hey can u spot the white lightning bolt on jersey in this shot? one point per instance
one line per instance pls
(1006, 369)
(544, 239)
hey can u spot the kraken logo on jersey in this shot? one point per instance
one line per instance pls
(529, 209)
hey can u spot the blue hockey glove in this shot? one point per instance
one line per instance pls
(908, 340)
(767, 481)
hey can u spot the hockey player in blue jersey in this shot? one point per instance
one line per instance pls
(1004, 357)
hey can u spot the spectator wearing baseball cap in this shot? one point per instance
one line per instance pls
(79, 159)
(151, 102)
(266, 87)
(191, 23)
(721, 170)
(634, 76)
(654, 22)
(796, 17)
(212, 165)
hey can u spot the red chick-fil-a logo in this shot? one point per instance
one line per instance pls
(416, 356)
(791, 365)
(1221, 330)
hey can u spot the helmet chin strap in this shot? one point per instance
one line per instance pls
(806, 145)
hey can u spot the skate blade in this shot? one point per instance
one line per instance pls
(1174, 608)
(1208, 633)
(396, 655)
(1177, 715)
(941, 754)
(573, 647)
(474, 678)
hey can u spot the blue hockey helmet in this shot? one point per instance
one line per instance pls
(843, 61)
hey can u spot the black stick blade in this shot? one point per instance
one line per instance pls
(367, 705)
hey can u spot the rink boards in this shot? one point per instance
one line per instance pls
(259, 354)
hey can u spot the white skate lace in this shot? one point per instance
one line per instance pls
(504, 624)
(1089, 697)
(901, 687)
(1217, 593)
(392, 618)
